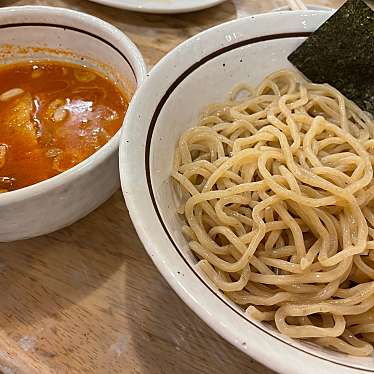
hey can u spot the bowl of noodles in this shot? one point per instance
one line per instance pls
(250, 188)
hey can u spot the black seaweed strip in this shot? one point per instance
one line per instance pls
(341, 53)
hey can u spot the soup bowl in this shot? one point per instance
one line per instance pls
(199, 72)
(46, 33)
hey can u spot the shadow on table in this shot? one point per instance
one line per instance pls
(43, 277)
(50, 279)
(169, 338)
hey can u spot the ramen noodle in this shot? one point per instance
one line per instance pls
(277, 200)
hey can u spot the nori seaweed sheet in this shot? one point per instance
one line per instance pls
(341, 53)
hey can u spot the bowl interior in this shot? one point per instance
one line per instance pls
(40, 41)
(248, 62)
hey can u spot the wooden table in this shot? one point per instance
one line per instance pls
(87, 299)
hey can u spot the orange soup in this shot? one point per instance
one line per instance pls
(53, 115)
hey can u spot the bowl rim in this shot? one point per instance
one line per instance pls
(138, 199)
(119, 42)
(146, 8)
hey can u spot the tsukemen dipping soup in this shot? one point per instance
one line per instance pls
(53, 115)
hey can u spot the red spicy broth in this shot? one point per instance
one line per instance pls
(53, 115)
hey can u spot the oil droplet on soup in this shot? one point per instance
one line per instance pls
(53, 115)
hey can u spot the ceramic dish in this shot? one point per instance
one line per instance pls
(161, 6)
(170, 100)
(32, 33)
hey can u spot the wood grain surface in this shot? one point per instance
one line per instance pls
(87, 299)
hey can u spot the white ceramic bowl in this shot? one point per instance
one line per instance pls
(36, 32)
(198, 72)
(161, 6)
